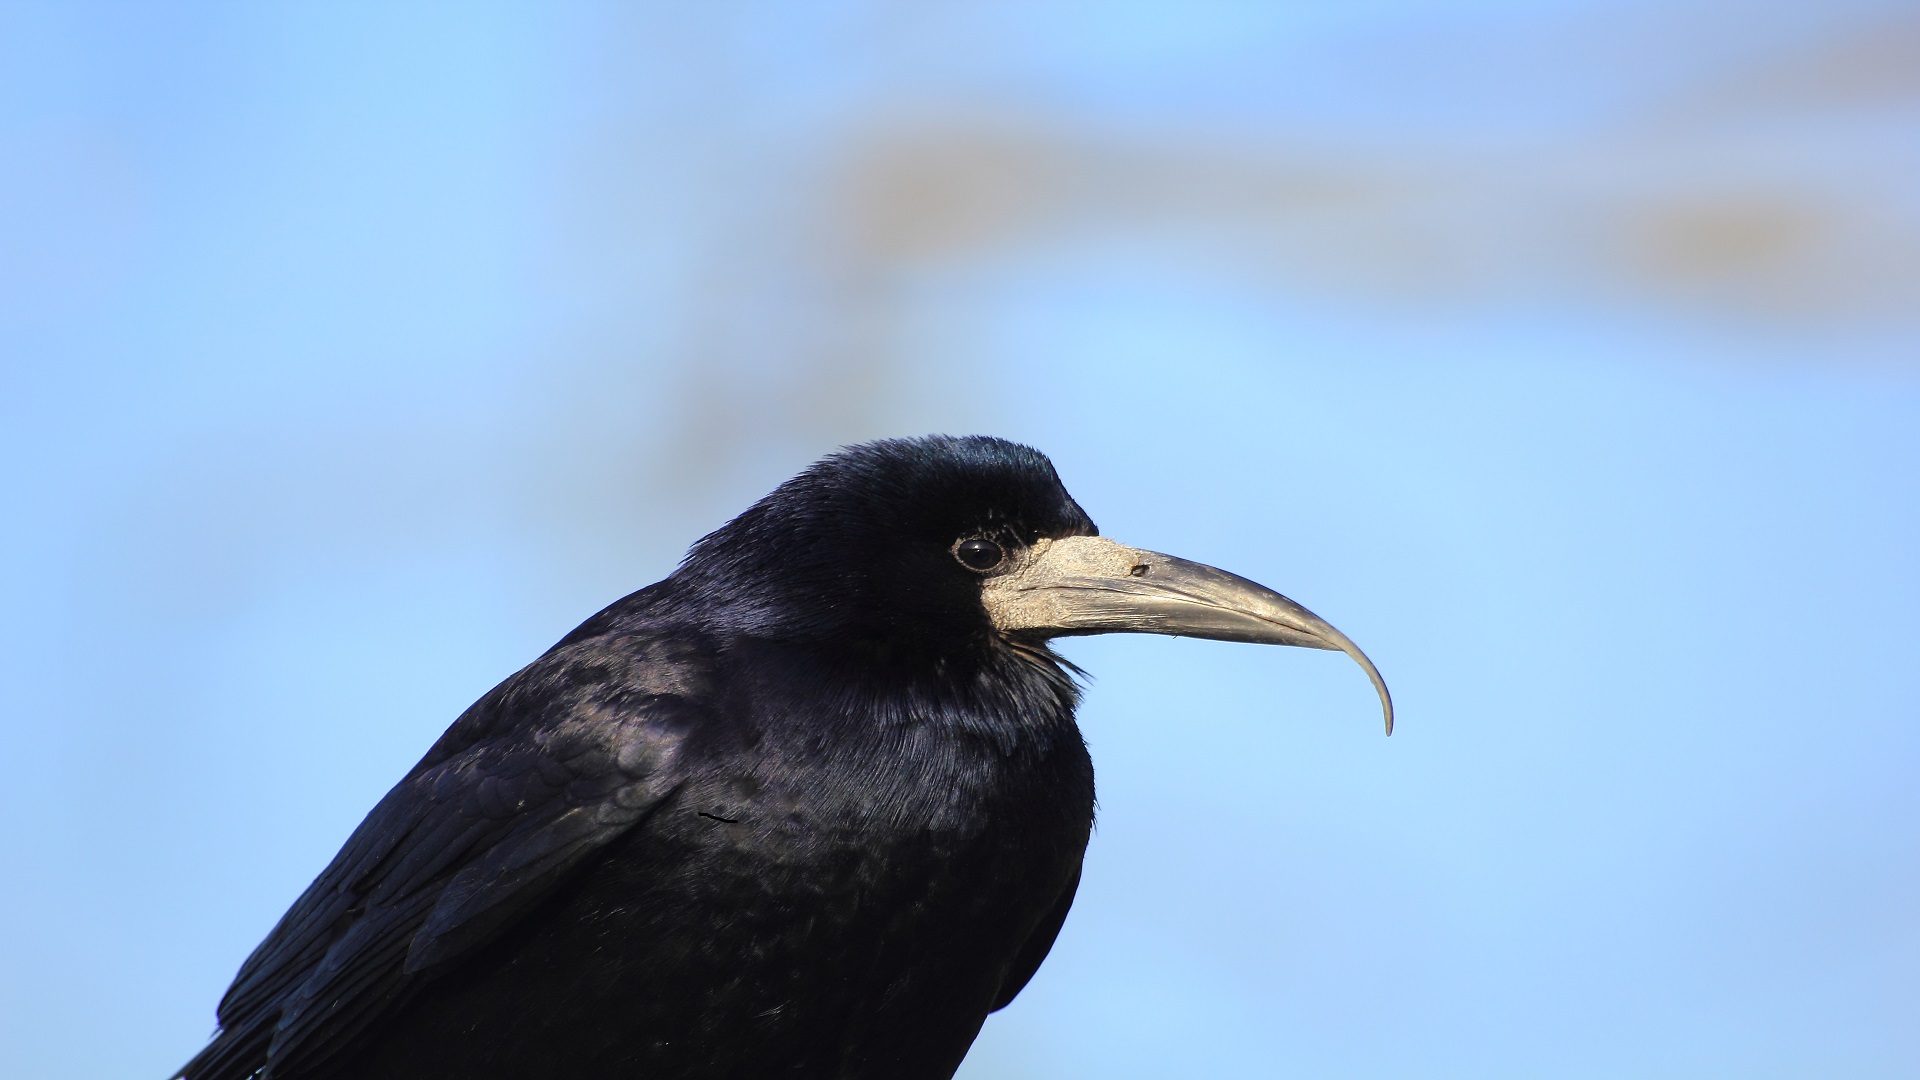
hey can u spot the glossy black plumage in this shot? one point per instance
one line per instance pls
(798, 810)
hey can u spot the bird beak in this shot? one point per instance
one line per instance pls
(1091, 585)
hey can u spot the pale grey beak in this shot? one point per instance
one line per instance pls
(1091, 585)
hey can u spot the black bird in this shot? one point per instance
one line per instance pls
(813, 806)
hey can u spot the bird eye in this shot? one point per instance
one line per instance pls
(981, 555)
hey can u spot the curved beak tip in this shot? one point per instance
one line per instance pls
(1373, 676)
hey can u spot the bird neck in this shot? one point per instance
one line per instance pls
(860, 688)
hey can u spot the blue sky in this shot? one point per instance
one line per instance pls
(1563, 355)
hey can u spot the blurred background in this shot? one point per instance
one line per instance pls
(1565, 354)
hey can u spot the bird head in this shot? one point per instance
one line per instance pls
(939, 544)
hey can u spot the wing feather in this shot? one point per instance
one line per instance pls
(550, 766)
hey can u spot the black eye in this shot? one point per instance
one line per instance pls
(978, 554)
